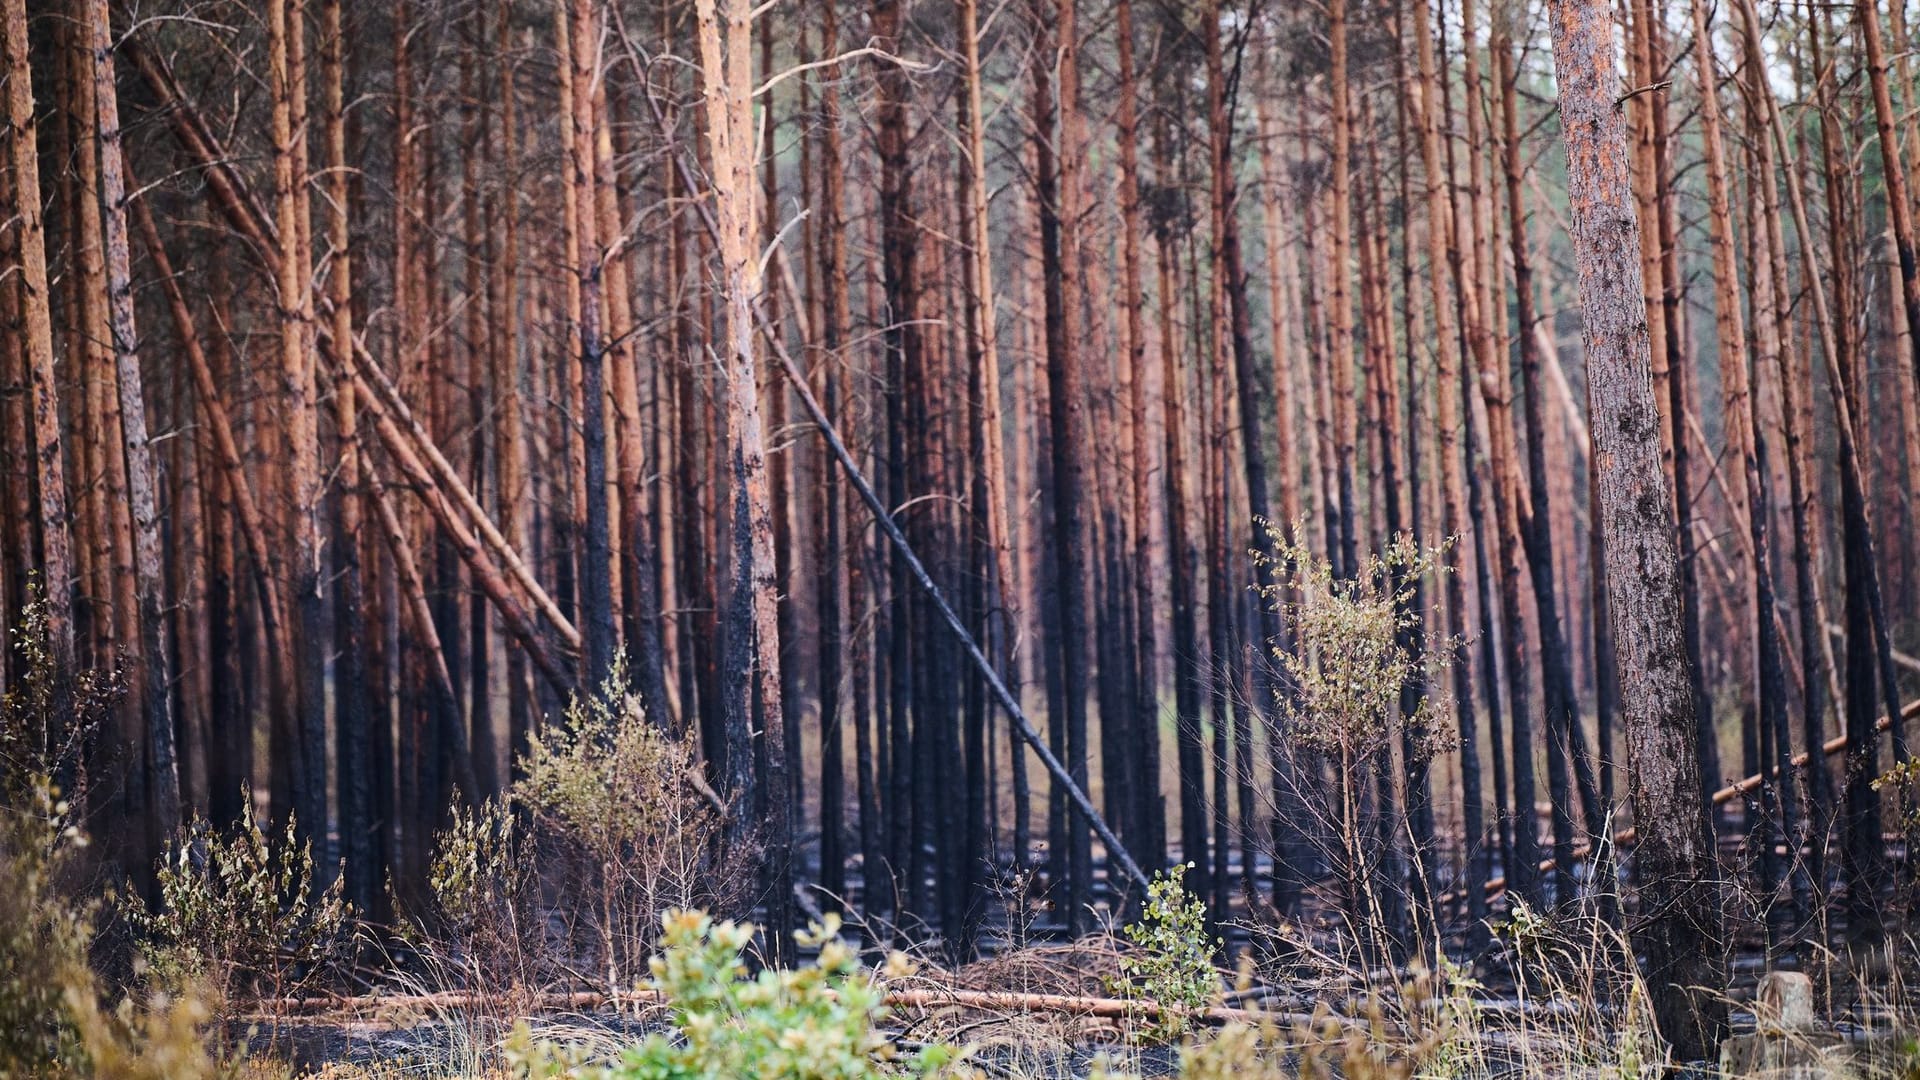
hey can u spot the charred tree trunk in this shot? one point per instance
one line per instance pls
(1059, 198)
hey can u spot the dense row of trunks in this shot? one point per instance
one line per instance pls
(363, 409)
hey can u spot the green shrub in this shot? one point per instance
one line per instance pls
(54, 1017)
(623, 819)
(815, 1023)
(237, 912)
(1171, 963)
(485, 931)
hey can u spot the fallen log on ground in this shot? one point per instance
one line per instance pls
(924, 998)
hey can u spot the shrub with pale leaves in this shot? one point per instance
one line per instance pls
(1352, 651)
(623, 821)
(237, 911)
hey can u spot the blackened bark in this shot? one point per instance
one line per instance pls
(1059, 199)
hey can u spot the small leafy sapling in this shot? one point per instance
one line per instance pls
(1357, 645)
(621, 817)
(1171, 964)
(819, 1022)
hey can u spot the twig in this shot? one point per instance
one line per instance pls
(1663, 84)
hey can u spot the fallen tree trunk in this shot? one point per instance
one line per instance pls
(918, 998)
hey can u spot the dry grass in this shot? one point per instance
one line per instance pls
(1570, 1012)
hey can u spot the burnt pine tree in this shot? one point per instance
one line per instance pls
(1681, 926)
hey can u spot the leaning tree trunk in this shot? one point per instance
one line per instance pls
(1680, 927)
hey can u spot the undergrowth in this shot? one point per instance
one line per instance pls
(237, 912)
(818, 1022)
(58, 1019)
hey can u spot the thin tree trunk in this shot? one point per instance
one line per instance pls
(1479, 286)
(583, 172)
(1893, 171)
(834, 328)
(301, 438)
(994, 561)
(1060, 221)
(1180, 557)
(1147, 609)
(1773, 306)
(354, 716)
(56, 552)
(512, 488)
(1452, 497)
(1747, 496)
(1340, 298)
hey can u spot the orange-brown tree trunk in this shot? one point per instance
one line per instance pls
(726, 68)
(56, 552)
